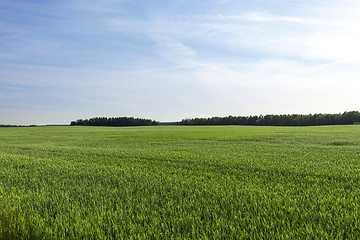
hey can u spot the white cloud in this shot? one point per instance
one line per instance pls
(103, 6)
(267, 17)
(284, 86)
(335, 43)
(333, 35)
(174, 51)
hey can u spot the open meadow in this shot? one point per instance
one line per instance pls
(180, 182)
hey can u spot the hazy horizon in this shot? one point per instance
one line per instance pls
(168, 60)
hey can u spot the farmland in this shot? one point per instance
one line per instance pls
(180, 182)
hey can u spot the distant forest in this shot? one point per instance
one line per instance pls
(116, 122)
(345, 118)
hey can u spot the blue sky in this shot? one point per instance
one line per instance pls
(169, 60)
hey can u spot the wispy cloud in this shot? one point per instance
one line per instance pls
(262, 17)
(103, 6)
(327, 37)
(174, 51)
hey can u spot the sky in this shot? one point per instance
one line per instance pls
(64, 60)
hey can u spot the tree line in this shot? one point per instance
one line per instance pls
(115, 121)
(345, 118)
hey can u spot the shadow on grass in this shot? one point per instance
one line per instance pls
(6, 230)
(342, 143)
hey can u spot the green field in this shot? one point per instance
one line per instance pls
(219, 182)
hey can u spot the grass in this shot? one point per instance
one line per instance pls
(219, 182)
